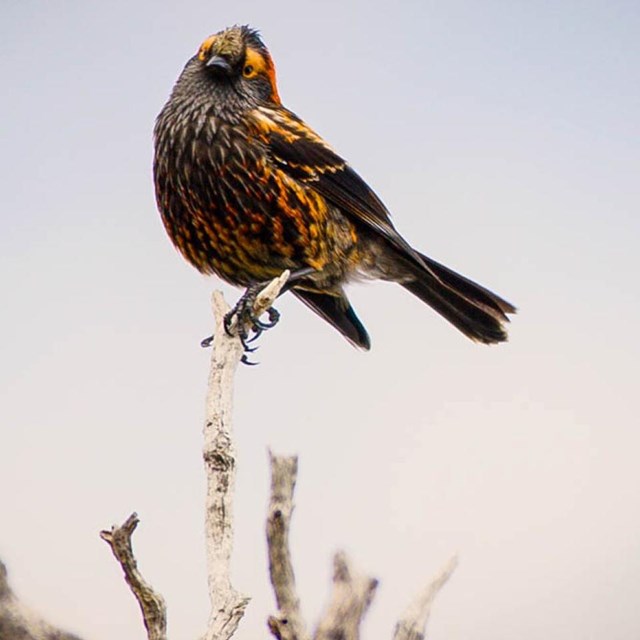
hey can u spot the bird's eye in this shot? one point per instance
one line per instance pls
(248, 71)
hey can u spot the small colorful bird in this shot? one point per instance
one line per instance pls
(246, 189)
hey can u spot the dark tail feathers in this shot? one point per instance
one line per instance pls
(474, 310)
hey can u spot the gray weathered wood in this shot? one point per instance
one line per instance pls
(19, 622)
(227, 604)
(288, 624)
(154, 611)
(413, 623)
(350, 599)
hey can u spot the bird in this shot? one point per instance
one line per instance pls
(246, 190)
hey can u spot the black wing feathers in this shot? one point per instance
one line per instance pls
(310, 161)
(337, 311)
(473, 309)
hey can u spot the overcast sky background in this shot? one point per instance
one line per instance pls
(505, 138)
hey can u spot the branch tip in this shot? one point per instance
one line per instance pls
(152, 606)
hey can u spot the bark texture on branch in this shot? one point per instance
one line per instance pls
(352, 592)
(350, 599)
(19, 622)
(288, 624)
(154, 611)
(227, 604)
(412, 625)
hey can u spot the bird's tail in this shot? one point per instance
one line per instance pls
(474, 310)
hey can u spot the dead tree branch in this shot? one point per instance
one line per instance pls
(412, 625)
(19, 622)
(154, 611)
(288, 623)
(350, 599)
(227, 604)
(352, 592)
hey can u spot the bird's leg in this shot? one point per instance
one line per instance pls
(243, 312)
(246, 321)
(295, 277)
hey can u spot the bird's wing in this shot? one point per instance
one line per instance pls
(336, 310)
(305, 156)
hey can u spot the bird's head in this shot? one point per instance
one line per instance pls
(237, 57)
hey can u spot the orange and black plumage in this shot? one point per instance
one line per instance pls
(246, 190)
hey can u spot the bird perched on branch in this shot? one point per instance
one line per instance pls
(246, 189)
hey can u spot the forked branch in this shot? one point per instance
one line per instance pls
(154, 611)
(227, 604)
(352, 592)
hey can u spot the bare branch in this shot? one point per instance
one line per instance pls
(154, 611)
(352, 592)
(351, 597)
(19, 622)
(412, 625)
(288, 624)
(227, 604)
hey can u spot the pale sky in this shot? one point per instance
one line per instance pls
(505, 139)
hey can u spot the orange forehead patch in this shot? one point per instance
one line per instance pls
(205, 48)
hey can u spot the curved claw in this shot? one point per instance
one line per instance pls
(257, 333)
(246, 322)
(206, 343)
(274, 318)
(274, 315)
(245, 360)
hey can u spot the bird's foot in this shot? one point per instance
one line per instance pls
(206, 342)
(243, 322)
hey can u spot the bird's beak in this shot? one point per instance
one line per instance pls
(219, 63)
